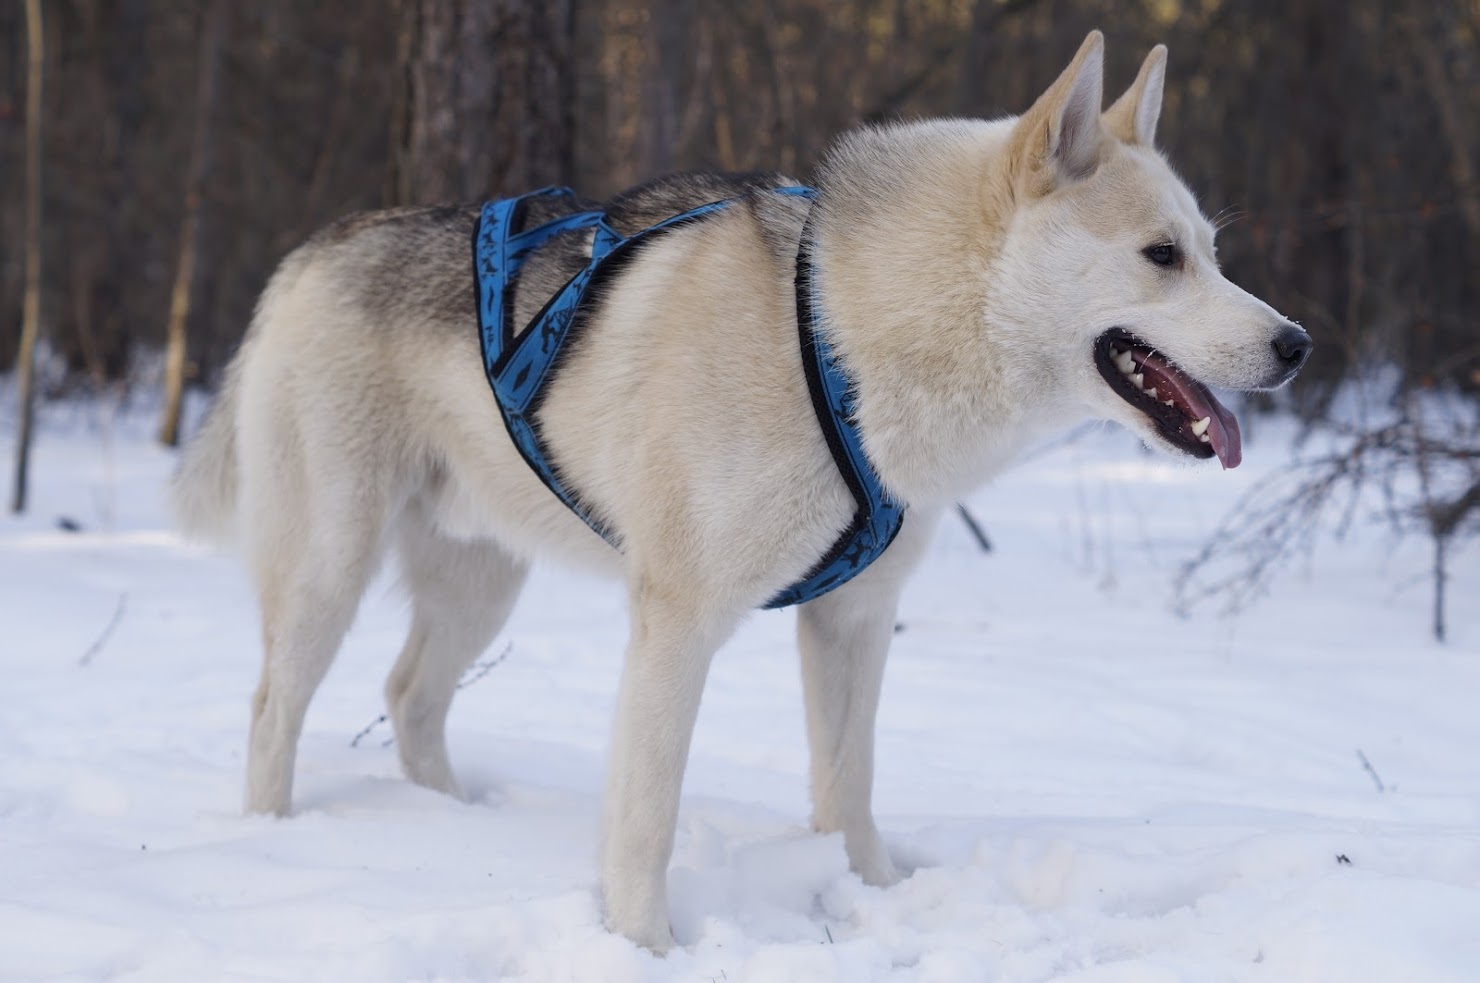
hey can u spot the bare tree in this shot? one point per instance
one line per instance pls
(668, 32)
(31, 316)
(207, 71)
(487, 98)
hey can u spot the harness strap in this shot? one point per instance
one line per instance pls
(518, 368)
(878, 517)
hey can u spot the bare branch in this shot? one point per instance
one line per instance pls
(1423, 472)
(97, 646)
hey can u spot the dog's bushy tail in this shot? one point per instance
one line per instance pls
(203, 492)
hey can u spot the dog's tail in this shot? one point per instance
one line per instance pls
(203, 492)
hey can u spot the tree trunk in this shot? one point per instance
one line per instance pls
(488, 100)
(195, 182)
(25, 369)
(669, 36)
(982, 45)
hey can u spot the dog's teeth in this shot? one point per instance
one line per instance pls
(1201, 426)
(1205, 439)
(1151, 392)
(1139, 378)
(1123, 361)
(1168, 402)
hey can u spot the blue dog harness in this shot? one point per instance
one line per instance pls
(519, 367)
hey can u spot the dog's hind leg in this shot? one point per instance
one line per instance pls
(461, 594)
(310, 577)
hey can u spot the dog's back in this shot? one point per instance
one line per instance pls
(372, 318)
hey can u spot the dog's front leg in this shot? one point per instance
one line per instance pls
(673, 640)
(844, 639)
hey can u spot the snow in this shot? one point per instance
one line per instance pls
(1087, 787)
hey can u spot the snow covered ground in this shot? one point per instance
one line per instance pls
(1087, 787)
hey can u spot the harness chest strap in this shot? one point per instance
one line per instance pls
(519, 367)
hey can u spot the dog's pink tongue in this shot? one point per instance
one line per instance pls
(1223, 432)
(1197, 402)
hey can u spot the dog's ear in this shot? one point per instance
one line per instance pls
(1134, 115)
(1058, 141)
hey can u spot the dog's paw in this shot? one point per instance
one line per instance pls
(870, 861)
(637, 907)
(655, 937)
(879, 873)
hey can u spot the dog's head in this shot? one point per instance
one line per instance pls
(1106, 246)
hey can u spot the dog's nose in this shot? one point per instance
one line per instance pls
(1293, 346)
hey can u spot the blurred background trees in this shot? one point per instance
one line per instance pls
(1343, 134)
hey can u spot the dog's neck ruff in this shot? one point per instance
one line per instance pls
(519, 367)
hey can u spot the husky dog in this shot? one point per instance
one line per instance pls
(984, 285)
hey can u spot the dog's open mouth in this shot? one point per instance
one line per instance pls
(1187, 414)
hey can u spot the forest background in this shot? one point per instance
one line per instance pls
(178, 150)
(1341, 136)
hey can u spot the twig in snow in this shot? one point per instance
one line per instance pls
(1367, 767)
(474, 672)
(829, 934)
(478, 670)
(976, 530)
(97, 646)
(355, 741)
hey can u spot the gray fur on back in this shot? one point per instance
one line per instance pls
(414, 265)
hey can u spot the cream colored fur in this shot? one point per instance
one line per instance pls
(965, 268)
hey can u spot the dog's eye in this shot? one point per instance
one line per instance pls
(1162, 254)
